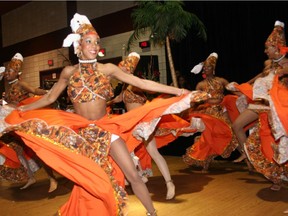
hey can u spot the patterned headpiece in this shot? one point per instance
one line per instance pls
(211, 60)
(2, 70)
(277, 36)
(80, 26)
(130, 62)
(16, 63)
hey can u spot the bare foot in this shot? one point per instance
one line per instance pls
(241, 158)
(30, 182)
(53, 185)
(204, 171)
(275, 187)
(170, 190)
(205, 168)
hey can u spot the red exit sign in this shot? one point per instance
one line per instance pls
(144, 44)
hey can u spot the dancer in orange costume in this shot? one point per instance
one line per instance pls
(133, 97)
(11, 169)
(263, 101)
(19, 93)
(258, 146)
(217, 138)
(83, 146)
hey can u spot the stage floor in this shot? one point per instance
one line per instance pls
(227, 189)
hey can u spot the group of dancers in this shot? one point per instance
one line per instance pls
(93, 148)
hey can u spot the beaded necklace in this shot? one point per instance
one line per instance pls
(13, 81)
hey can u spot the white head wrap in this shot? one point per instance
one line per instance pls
(18, 56)
(75, 24)
(213, 54)
(279, 23)
(198, 68)
(2, 70)
(134, 54)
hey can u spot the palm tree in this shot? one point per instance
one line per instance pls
(166, 21)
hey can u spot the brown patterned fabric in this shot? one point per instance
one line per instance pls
(9, 171)
(210, 61)
(214, 87)
(92, 142)
(85, 29)
(129, 63)
(88, 84)
(260, 159)
(16, 94)
(277, 37)
(131, 97)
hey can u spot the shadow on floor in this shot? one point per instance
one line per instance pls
(37, 191)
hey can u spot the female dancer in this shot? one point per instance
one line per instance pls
(217, 138)
(263, 102)
(19, 93)
(79, 145)
(133, 97)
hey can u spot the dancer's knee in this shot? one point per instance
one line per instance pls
(236, 128)
(134, 178)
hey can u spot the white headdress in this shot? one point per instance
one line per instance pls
(16, 63)
(80, 24)
(2, 70)
(198, 68)
(18, 56)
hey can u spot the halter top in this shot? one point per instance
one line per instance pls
(132, 97)
(88, 84)
(215, 88)
(16, 94)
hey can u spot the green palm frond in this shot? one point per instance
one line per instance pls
(164, 18)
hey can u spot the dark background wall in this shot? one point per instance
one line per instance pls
(236, 31)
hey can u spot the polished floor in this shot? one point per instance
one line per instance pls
(227, 189)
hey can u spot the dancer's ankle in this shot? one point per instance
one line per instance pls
(170, 189)
(169, 181)
(30, 181)
(275, 187)
(53, 185)
(241, 158)
(154, 213)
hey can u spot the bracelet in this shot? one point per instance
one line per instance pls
(182, 92)
(169, 181)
